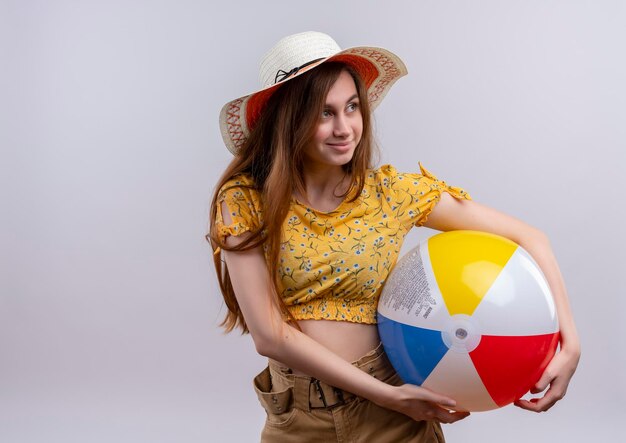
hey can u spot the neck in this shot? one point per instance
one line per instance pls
(324, 184)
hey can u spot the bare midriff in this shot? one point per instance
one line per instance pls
(348, 340)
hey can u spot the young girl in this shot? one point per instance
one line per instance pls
(305, 232)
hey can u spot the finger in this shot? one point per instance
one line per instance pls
(541, 404)
(554, 394)
(439, 399)
(544, 403)
(444, 416)
(543, 383)
(527, 405)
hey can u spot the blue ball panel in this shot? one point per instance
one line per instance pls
(414, 352)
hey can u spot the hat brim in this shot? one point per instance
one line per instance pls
(378, 68)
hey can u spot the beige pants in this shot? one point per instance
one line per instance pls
(301, 409)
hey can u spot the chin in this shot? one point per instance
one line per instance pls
(332, 159)
(343, 160)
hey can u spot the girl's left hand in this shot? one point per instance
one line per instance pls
(557, 376)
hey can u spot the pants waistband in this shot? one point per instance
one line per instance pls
(279, 389)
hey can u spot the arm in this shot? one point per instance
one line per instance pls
(278, 340)
(450, 214)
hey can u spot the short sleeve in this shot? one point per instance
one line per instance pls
(414, 195)
(244, 206)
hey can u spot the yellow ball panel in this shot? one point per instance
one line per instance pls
(465, 264)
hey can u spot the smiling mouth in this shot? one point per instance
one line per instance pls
(341, 149)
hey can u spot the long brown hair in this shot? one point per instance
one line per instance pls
(273, 157)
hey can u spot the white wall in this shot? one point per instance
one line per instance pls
(110, 149)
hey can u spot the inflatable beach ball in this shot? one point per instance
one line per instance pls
(469, 315)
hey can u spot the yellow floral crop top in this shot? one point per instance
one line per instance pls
(333, 264)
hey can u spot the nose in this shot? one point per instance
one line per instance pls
(341, 127)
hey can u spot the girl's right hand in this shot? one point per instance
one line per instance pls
(423, 404)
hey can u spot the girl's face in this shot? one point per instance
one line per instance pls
(340, 126)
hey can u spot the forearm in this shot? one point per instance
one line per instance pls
(298, 351)
(538, 246)
(305, 354)
(276, 339)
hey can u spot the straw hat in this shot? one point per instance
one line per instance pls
(295, 55)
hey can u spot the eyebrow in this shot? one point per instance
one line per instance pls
(355, 96)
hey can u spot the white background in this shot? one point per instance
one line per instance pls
(110, 150)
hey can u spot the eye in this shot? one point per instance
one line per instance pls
(353, 106)
(326, 113)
